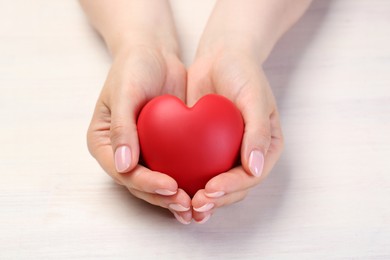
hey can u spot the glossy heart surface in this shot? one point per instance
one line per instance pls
(192, 145)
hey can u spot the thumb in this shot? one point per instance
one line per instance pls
(257, 135)
(123, 131)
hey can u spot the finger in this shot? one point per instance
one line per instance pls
(180, 198)
(140, 178)
(256, 105)
(183, 217)
(202, 203)
(237, 178)
(202, 217)
(204, 207)
(179, 204)
(98, 140)
(277, 143)
(124, 106)
(145, 180)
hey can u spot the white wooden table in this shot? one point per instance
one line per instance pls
(328, 197)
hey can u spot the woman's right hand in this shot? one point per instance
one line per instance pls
(138, 74)
(142, 39)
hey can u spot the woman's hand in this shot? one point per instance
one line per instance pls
(136, 76)
(239, 77)
(236, 41)
(145, 65)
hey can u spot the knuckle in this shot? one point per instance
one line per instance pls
(136, 180)
(96, 140)
(117, 130)
(263, 136)
(244, 194)
(264, 132)
(157, 201)
(278, 140)
(281, 143)
(135, 193)
(116, 178)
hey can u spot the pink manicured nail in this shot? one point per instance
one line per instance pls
(256, 162)
(217, 194)
(165, 192)
(204, 220)
(205, 207)
(122, 158)
(180, 219)
(178, 207)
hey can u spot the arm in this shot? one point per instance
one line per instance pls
(128, 22)
(237, 40)
(253, 25)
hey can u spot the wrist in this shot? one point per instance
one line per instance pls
(251, 25)
(166, 44)
(221, 35)
(125, 23)
(233, 42)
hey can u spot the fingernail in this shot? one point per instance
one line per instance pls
(205, 207)
(217, 194)
(165, 192)
(204, 220)
(178, 207)
(122, 158)
(180, 218)
(256, 162)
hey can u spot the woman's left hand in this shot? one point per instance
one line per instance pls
(238, 76)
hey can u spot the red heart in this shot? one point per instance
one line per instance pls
(191, 145)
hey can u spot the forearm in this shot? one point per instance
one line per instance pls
(123, 23)
(254, 25)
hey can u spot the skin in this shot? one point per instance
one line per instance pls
(228, 62)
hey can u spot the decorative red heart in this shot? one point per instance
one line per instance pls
(191, 145)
